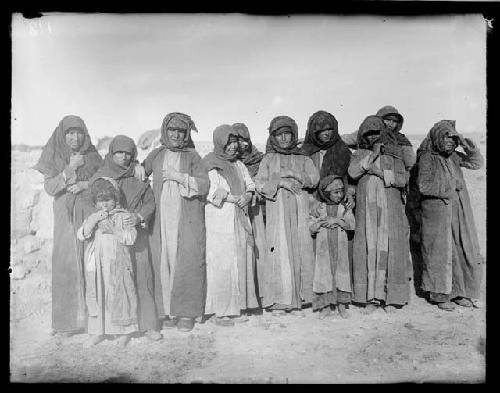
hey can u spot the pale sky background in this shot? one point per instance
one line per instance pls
(123, 73)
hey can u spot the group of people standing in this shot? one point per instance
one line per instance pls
(239, 230)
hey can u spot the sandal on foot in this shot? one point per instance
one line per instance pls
(185, 324)
(224, 321)
(153, 335)
(390, 309)
(464, 302)
(170, 323)
(446, 306)
(325, 312)
(278, 313)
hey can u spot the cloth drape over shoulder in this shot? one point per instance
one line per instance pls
(449, 244)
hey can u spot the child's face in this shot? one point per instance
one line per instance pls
(106, 205)
(336, 191)
(243, 145)
(325, 135)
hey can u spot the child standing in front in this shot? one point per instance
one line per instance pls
(111, 296)
(332, 226)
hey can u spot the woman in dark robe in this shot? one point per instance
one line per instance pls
(328, 151)
(68, 161)
(381, 269)
(138, 199)
(452, 270)
(251, 157)
(180, 186)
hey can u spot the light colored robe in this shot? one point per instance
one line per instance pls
(289, 255)
(229, 251)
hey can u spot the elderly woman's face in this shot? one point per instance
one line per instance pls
(450, 143)
(243, 144)
(325, 135)
(176, 136)
(284, 139)
(391, 122)
(232, 145)
(75, 138)
(122, 158)
(372, 136)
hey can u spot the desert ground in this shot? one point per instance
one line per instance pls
(419, 343)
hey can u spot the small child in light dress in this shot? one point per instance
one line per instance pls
(111, 295)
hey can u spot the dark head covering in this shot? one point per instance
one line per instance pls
(178, 121)
(111, 168)
(374, 123)
(434, 141)
(220, 160)
(388, 110)
(56, 153)
(252, 156)
(323, 196)
(132, 189)
(338, 155)
(279, 123)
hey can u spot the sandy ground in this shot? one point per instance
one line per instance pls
(419, 343)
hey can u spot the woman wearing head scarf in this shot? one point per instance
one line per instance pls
(67, 162)
(180, 184)
(252, 157)
(230, 267)
(138, 199)
(331, 225)
(327, 150)
(452, 270)
(284, 175)
(381, 271)
(393, 121)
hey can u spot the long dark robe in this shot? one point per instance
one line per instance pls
(68, 283)
(189, 282)
(137, 197)
(452, 264)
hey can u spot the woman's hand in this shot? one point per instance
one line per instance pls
(374, 170)
(78, 187)
(244, 199)
(290, 173)
(290, 185)
(315, 227)
(139, 172)
(132, 220)
(170, 173)
(332, 222)
(349, 201)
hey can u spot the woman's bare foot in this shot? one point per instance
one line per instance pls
(390, 309)
(343, 311)
(94, 339)
(370, 308)
(123, 340)
(325, 312)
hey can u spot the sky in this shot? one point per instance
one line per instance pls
(123, 73)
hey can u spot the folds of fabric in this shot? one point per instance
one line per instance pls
(289, 256)
(380, 249)
(188, 283)
(230, 251)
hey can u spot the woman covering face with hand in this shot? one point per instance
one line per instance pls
(68, 161)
